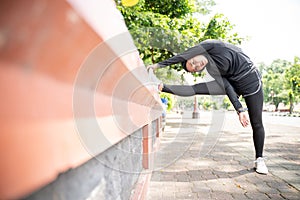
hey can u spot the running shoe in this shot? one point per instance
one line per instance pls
(260, 166)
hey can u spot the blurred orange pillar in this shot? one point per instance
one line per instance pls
(45, 46)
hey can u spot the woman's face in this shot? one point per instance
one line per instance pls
(196, 63)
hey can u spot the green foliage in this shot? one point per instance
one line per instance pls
(273, 87)
(281, 82)
(220, 28)
(170, 98)
(274, 82)
(169, 76)
(293, 82)
(207, 104)
(278, 66)
(161, 29)
(159, 37)
(171, 8)
(226, 103)
(203, 6)
(292, 77)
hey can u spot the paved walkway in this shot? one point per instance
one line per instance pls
(212, 158)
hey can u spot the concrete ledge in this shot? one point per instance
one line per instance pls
(63, 69)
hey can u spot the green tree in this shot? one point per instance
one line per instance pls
(279, 66)
(220, 27)
(169, 76)
(292, 83)
(164, 28)
(274, 82)
(171, 8)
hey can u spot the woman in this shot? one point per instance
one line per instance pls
(234, 75)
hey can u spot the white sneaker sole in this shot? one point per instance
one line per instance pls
(261, 172)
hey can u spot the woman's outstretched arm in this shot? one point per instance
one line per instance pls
(205, 88)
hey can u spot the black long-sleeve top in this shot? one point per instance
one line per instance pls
(227, 64)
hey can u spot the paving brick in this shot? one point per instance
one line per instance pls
(290, 195)
(182, 177)
(239, 196)
(200, 188)
(275, 196)
(185, 195)
(221, 195)
(256, 195)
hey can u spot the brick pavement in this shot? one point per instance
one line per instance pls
(194, 164)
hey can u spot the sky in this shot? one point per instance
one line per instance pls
(273, 27)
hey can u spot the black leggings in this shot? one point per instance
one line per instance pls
(253, 102)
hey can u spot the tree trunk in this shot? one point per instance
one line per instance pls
(291, 107)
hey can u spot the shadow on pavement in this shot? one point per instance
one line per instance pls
(197, 175)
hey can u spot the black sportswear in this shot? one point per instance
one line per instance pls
(227, 64)
(234, 75)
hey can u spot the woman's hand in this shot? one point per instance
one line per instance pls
(243, 117)
(153, 67)
(160, 86)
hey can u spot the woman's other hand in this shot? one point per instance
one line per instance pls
(243, 117)
(160, 86)
(153, 67)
